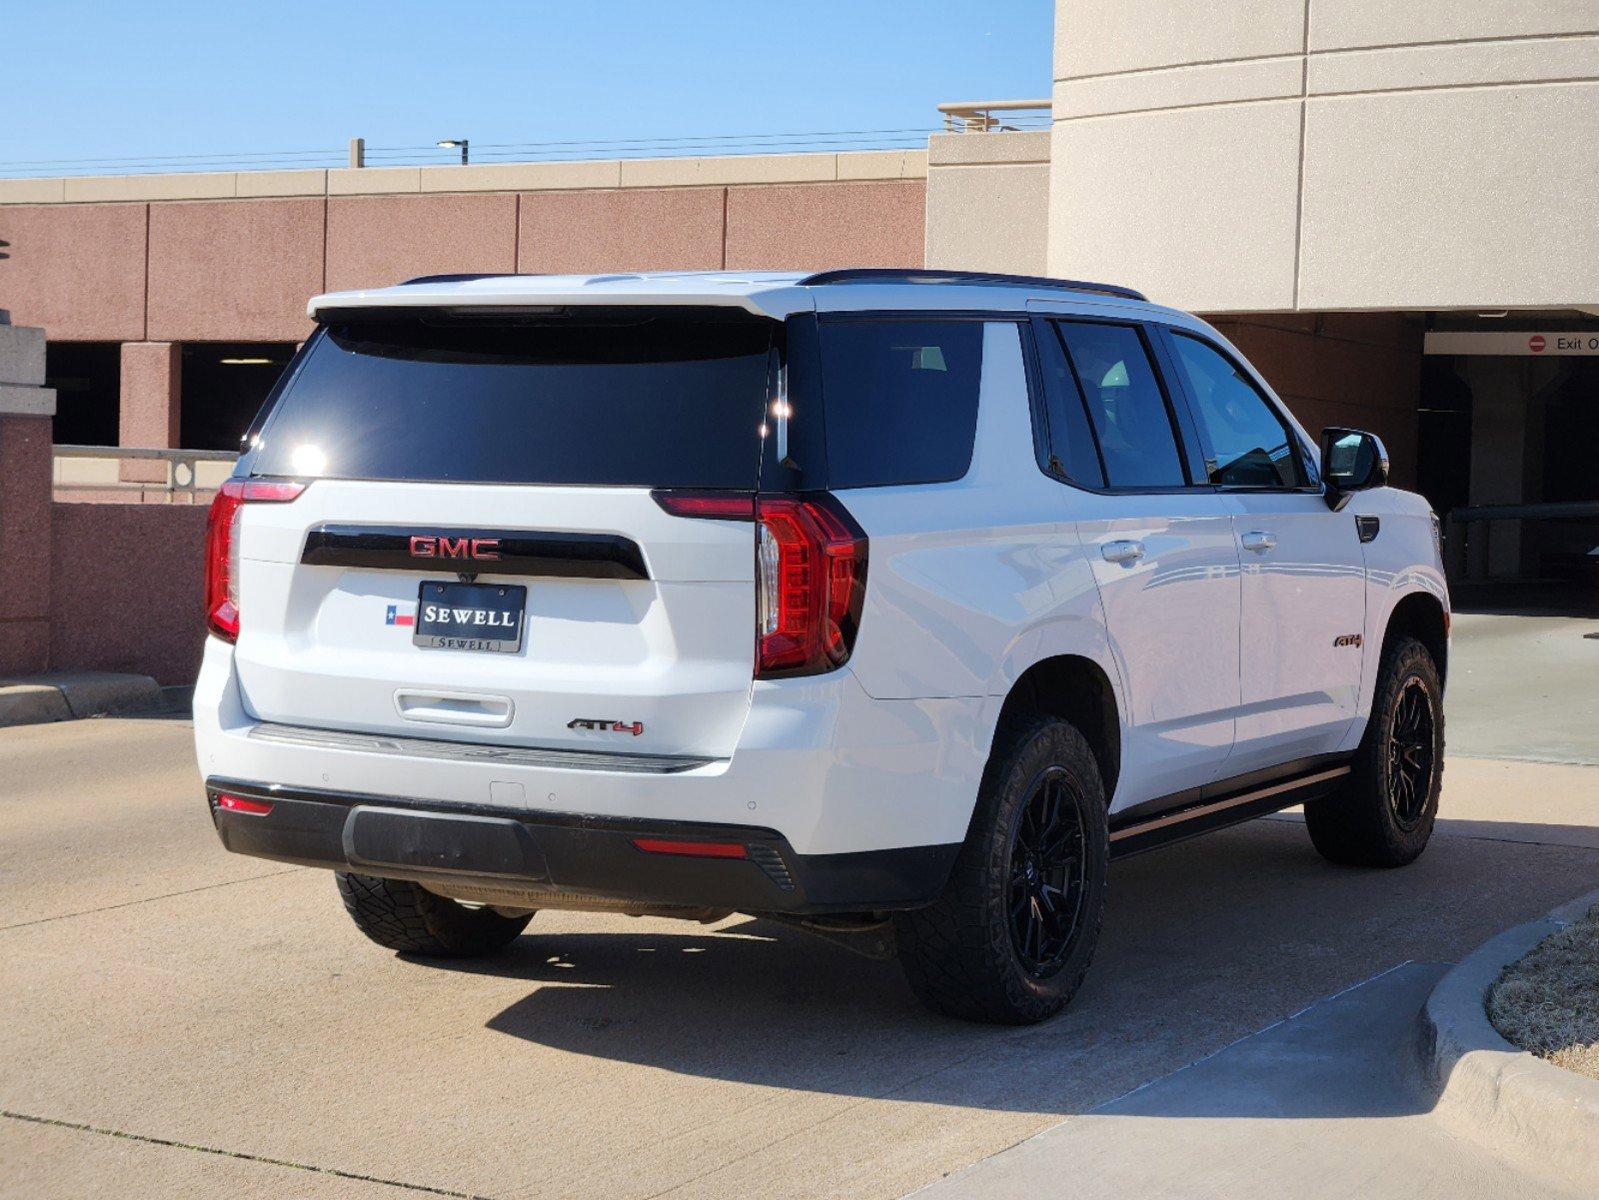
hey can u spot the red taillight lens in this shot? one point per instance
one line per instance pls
(222, 547)
(690, 849)
(242, 804)
(810, 575)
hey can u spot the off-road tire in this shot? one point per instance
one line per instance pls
(407, 917)
(959, 954)
(1358, 825)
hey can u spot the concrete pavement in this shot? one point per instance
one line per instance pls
(160, 988)
(1324, 1106)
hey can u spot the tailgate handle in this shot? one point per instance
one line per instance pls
(454, 708)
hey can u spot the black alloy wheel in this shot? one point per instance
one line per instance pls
(1411, 753)
(1046, 875)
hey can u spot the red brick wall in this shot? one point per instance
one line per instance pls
(126, 588)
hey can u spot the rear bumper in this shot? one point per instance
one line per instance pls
(568, 856)
(827, 768)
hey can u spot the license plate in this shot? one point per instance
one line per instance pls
(470, 616)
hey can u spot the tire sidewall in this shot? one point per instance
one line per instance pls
(1054, 745)
(1408, 661)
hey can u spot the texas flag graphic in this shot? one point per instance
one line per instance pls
(395, 617)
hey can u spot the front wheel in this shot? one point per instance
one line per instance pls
(1383, 815)
(1010, 939)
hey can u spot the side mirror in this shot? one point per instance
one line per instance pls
(1352, 460)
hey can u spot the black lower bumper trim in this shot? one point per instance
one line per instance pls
(570, 854)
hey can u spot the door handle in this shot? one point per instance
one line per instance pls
(1258, 541)
(1122, 551)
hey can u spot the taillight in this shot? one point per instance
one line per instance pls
(810, 575)
(222, 547)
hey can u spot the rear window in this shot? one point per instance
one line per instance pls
(624, 399)
(901, 399)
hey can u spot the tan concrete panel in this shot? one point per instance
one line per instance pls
(1532, 60)
(882, 164)
(513, 177)
(729, 169)
(190, 185)
(830, 225)
(957, 149)
(1336, 24)
(234, 270)
(374, 241)
(1179, 87)
(76, 270)
(281, 183)
(32, 191)
(358, 181)
(647, 229)
(993, 218)
(1483, 197)
(1196, 207)
(1098, 37)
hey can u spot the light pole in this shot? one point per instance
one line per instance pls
(453, 144)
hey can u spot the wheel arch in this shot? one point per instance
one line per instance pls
(1422, 616)
(1074, 688)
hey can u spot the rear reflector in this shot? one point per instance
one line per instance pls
(240, 804)
(691, 849)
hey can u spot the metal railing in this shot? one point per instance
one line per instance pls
(1472, 558)
(99, 468)
(977, 116)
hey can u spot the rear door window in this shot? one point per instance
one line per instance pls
(900, 398)
(1248, 444)
(626, 398)
(1133, 423)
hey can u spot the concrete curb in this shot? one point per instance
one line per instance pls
(1524, 1107)
(68, 695)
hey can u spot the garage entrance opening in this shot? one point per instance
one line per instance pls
(223, 386)
(1508, 423)
(87, 377)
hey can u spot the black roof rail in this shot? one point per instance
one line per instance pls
(463, 277)
(931, 275)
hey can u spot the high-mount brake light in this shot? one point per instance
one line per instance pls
(810, 574)
(222, 547)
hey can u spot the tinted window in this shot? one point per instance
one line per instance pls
(1070, 448)
(901, 399)
(646, 400)
(1125, 404)
(1249, 444)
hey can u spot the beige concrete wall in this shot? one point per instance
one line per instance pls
(1272, 155)
(988, 202)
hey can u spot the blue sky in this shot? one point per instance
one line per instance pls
(181, 77)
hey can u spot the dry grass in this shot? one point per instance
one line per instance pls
(1548, 1002)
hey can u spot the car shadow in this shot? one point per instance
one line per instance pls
(1204, 943)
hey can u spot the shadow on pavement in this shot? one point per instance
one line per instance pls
(1205, 943)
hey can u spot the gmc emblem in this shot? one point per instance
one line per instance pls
(429, 546)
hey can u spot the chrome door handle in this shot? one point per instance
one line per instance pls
(1122, 551)
(1258, 541)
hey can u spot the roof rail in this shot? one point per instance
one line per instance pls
(929, 275)
(461, 277)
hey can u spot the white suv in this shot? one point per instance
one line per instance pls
(893, 604)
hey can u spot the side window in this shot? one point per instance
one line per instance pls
(1137, 440)
(901, 399)
(1070, 447)
(1251, 445)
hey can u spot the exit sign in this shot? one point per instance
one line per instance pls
(1529, 343)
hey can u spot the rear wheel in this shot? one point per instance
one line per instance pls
(1010, 939)
(1383, 815)
(407, 917)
